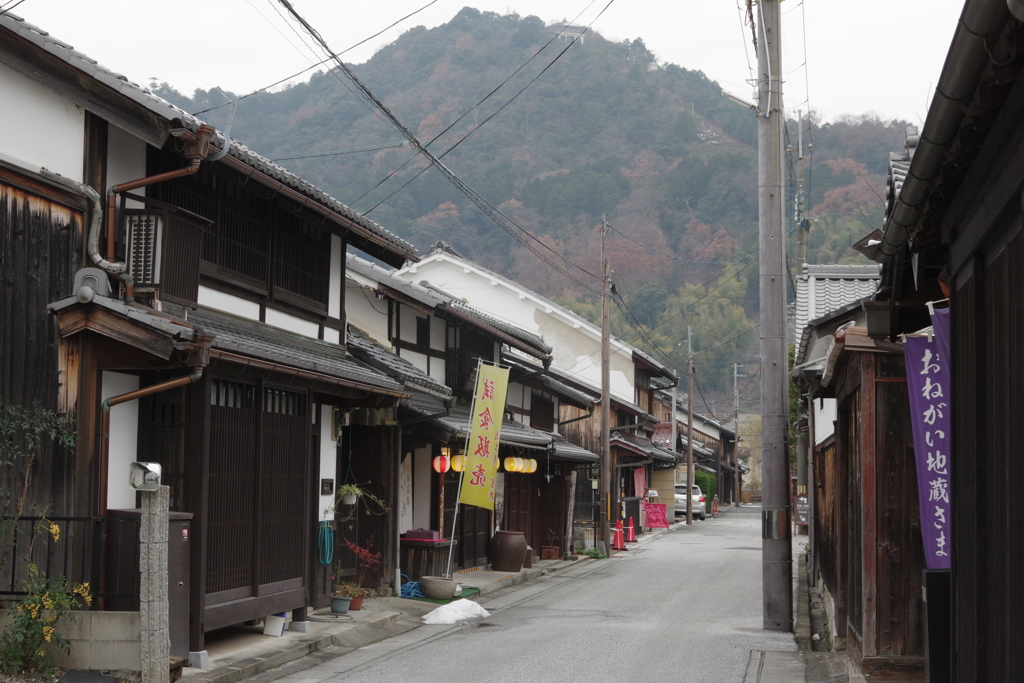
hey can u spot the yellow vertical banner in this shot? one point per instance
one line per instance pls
(479, 476)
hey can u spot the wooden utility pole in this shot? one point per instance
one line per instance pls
(605, 517)
(775, 528)
(736, 429)
(689, 441)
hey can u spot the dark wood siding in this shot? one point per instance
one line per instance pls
(988, 528)
(40, 249)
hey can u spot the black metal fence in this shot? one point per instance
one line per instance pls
(100, 551)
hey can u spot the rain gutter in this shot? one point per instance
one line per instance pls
(981, 21)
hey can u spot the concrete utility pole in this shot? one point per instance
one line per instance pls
(605, 516)
(775, 528)
(800, 204)
(689, 442)
(736, 429)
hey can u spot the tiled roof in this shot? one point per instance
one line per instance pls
(169, 112)
(442, 247)
(257, 340)
(512, 433)
(648, 448)
(563, 391)
(421, 405)
(899, 166)
(568, 451)
(376, 356)
(662, 437)
(441, 300)
(820, 289)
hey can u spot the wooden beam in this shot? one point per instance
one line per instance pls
(110, 325)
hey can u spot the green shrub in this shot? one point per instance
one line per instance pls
(34, 622)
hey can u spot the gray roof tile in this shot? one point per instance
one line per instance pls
(378, 357)
(249, 338)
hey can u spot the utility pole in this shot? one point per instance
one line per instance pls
(800, 205)
(605, 516)
(736, 430)
(777, 556)
(672, 416)
(689, 441)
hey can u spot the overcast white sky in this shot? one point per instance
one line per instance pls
(881, 56)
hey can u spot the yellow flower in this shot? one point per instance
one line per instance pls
(32, 568)
(55, 531)
(47, 633)
(47, 601)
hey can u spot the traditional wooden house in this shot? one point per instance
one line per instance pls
(575, 362)
(953, 229)
(445, 337)
(200, 324)
(866, 556)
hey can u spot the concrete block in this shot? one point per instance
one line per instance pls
(116, 626)
(300, 626)
(78, 628)
(199, 660)
(114, 656)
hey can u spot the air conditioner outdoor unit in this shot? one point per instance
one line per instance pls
(145, 249)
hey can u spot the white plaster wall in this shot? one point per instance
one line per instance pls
(421, 498)
(332, 335)
(419, 360)
(337, 272)
(407, 323)
(576, 344)
(825, 413)
(328, 459)
(124, 439)
(364, 310)
(126, 160)
(219, 301)
(438, 333)
(290, 323)
(43, 129)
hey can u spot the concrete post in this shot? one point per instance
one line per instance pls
(153, 608)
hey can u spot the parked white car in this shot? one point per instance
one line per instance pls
(699, 504)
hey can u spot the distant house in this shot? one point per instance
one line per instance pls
(444, 337)
(575, 361)
(568, 31)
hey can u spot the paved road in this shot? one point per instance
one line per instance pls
(685, 607)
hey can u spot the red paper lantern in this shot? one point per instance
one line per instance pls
(441, 464)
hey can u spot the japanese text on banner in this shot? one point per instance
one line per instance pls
(928, 382)
(479, 477)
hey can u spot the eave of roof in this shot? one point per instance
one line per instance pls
(240, 157)
(239, 338)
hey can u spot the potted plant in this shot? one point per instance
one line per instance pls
(348, 495)
(340, 602)
(366, 561)
(354, 592)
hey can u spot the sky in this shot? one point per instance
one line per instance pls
(879, 57)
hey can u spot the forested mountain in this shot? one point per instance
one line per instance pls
(599, 129)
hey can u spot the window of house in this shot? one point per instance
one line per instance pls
(423, 331)
(542, 413)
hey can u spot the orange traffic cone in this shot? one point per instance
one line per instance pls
(630, 532)
(618, 543)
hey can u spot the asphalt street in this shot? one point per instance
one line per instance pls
(685, 607)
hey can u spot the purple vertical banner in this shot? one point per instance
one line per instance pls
(928, 381)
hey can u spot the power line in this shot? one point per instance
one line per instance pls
(465, 114)
(334, 154)
(492, 212)
(313, 66)
(676, 258)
